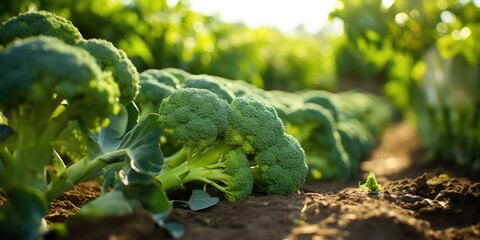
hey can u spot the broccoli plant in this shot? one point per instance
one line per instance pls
(156, 85)
(53, 87)
(40, 96)
(234, 147)
(114, 60)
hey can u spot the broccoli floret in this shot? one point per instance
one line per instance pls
(195, 117)
(281, 168)
(212, 83)
(155, 85)
(211, 131)
(114, 60)
(38, 23)
(253, 125)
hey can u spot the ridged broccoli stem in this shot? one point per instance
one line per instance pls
(206, 166)
(175, 159)
(36, 130)
(80, 171)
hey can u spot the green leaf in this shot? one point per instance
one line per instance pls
(175, 230)
(113, 203)
(199, 200)
(5, 132)
(109, 138)
(133, 112)
(142, 145)
(22, 217)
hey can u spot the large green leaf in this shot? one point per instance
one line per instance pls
(142, 145)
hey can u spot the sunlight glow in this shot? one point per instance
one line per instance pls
(284, 15)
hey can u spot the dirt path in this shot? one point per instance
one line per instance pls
(418, 201)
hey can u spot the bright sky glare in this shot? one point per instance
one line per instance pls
(285, 15)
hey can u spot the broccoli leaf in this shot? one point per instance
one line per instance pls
(199, 200)
(5, 132)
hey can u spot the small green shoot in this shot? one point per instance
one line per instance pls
(371, 184)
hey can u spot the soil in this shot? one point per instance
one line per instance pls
(421, 199)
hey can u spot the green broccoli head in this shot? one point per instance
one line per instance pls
(281, 168)
(154, 87)
(38, 73)
(114, 60)
(38, 23)
(211, 83)
(195, 117)
(253, 125)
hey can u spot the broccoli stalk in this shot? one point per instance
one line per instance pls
(220, 166)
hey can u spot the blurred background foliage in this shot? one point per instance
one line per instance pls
(429, 53)
(422, 55)
(156, 35)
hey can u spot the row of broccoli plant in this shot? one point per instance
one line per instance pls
(336, 130)
(68, 115)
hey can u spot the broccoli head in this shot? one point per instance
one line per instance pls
(41, 72)
(253, 125)
(195, 117)
(38, 23)
(114, 60)
(154, 87)
(281, 168)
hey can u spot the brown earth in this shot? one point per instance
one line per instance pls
(420, 200)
